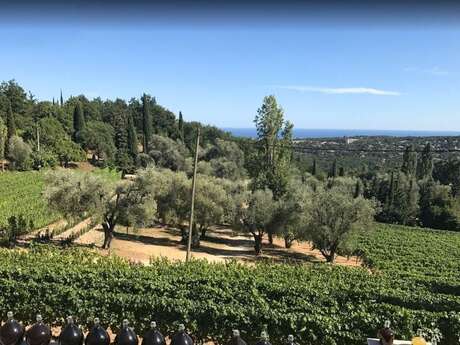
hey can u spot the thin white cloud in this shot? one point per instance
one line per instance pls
(340, 90)
(435, 71)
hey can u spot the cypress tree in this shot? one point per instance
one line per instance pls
(409, 166)
(181, 126)
(391, 191)
(358, 189)
(132, 138)
(3, 142)
(342, 171)
(146, 123)
(78, 122)
(426, 163)
(123, 158)
(62, 99)
(314, 168)
(10, 123)
(121, 133)
(333, 171)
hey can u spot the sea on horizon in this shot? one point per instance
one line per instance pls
(300, 133)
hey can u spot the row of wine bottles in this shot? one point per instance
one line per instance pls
(13, 333)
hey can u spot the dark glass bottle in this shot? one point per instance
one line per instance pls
(126, 336)
(153, 336)
(97, 335)
(39, 333)
(12, 332)
(71, 334)
(236, 338)
(181, 337)
(263, 339)
(385, 334)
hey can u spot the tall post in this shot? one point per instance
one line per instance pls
(190, 228)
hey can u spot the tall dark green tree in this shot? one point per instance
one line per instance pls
(10, 122)
(409, 165)
(132, 138)
(333, 170)
(146, 122)
(358, 189)
(78, 122)
(123, 158)
(61, 99)
(425, 170)
(181, 126)
(314, 168)
(391, 193)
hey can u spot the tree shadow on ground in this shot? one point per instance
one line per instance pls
(243, 248)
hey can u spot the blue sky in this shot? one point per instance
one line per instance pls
(323, 76)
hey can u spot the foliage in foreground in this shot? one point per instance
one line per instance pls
(321, 304)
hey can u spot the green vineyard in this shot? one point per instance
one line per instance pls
(320, 303)
(21, 195)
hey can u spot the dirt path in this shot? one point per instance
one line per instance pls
(221, 244)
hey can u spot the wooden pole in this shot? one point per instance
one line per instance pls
(190, 228)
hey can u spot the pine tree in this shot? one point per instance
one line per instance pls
(409, 166)
(78, 122)
(10, 122)
(62, 99)
(146, 123)
(314, 168)
(132, 138)
(181, 126)
(425, 170)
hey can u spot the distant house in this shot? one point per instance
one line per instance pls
(348, 141)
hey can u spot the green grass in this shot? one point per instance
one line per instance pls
(21, 193)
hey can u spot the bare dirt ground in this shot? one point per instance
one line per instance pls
(221, 244)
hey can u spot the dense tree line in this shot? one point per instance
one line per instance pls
(271, 200)
(258, 186)
(114, 133)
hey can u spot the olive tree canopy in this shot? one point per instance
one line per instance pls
(78, 195)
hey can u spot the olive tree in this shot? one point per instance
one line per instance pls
(77, 195)
(19, 153)
(332, 217)
(173, 198)
(168, 153)
(210, 203)
(253, 214)
(290, 212)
